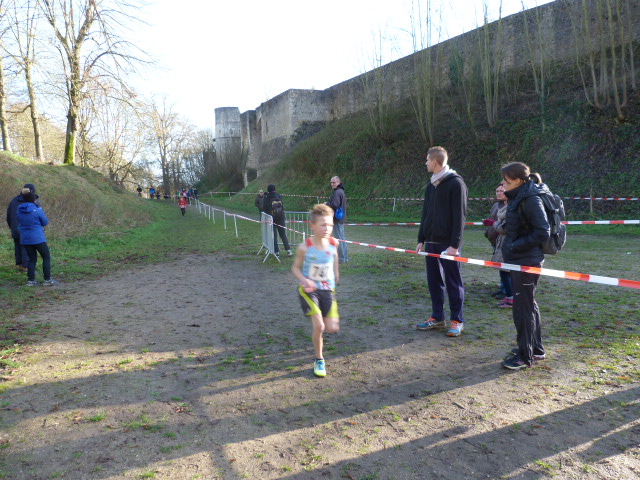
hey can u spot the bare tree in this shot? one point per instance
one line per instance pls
(197, 156)
(87, 38)
(23, 26)
(161, 122)
(116, 144)
(464, 72)
(539, 57)
(6, 146)
(603, 38)
(374, 86)
(427, 69)
(491, 58)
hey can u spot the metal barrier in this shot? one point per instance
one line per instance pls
(301, 229)
(266, 222)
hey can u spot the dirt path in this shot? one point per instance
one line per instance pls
(201, 368)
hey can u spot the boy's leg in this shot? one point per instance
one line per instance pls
(331, 324)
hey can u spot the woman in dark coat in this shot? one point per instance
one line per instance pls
(526, 229)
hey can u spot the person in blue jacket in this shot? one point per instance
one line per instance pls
(31, 222)
(22, 260)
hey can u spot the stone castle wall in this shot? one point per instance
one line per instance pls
(267, 134)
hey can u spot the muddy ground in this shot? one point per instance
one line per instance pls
(200, 368)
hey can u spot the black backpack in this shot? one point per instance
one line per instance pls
(554, 209)
(277, 209)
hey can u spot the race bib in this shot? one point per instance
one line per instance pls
(319, 272)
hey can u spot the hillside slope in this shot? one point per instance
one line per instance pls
(580, 152)
(76, 199)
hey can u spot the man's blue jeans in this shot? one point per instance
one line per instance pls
(338, 232)
(444, 277)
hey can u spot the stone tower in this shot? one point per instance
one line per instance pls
(228, 137)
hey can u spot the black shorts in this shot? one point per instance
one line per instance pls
(321, 302)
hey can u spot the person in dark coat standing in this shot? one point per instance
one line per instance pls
(338, 203)
(31, 221)
(527, 228)
(22, 259)
(443, 215)
(274, 206)
(260, 200)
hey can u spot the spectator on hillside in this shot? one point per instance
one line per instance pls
(152, 192)
(500, 228)
(32, 220)
(441, 228)
(274, 206)
(492, 235)
(260, 199)
(195, 193)
(338, 203)
(139, 190)
(22, 259)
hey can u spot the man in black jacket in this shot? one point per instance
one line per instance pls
(443, 215)
(273, 206)
(22, 260)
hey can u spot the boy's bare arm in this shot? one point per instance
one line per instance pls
(308, 284)
(297, 265)
(336, 268)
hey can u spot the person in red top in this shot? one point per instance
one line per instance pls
(182, 203)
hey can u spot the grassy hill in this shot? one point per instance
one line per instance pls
(580, 152)
(77, 200)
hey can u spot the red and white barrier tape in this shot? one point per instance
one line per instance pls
(619, 282)
(600, 198)
(421, 199)
(566, 222)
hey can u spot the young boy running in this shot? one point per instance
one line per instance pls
(316, 266)
(182, 203)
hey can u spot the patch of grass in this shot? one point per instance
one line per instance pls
(98, 417)
(144, 422)
(171, 448)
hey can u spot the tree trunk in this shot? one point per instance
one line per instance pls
(3, 114)
(70, 141)
(37, 137)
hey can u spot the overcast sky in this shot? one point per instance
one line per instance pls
(239, 53)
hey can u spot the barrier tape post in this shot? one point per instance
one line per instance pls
(394, 204)
(224, 216)
(235, 222)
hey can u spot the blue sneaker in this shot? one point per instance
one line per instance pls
(430, 324)
(456, 328)
(318, 368)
